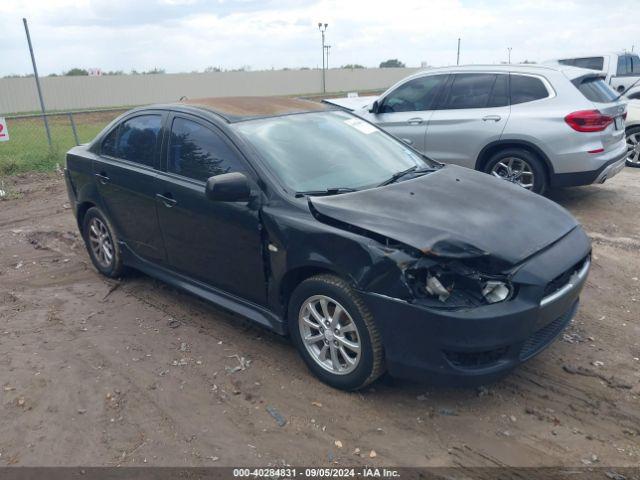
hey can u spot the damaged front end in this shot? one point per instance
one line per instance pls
(455, 284)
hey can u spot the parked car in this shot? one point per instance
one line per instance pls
(533, 125)
(621, 69)
(317, 224)
(633, 130)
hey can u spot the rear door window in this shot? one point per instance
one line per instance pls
(198, 152)
(416, 95)
(470, 90)
(596, 90)
(135, 140)
(525, 88)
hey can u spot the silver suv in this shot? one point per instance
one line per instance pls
(536, 126)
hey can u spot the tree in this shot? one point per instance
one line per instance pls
(76, 72)
(155, 71)
(212, 70)
(352, 66)
(392, 63)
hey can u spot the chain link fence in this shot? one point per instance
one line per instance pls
(28, 147)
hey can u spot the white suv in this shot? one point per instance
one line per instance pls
(533, 125)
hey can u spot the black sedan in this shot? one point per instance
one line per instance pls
(316, 224)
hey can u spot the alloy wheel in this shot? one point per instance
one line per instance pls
(633, 142)
(515, 170)
(101, 243)
(330, 335)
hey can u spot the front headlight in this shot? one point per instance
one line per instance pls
(454, 285)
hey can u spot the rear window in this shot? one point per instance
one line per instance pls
(527, 89)
(592, 63)
(596, 90)
(628, 65)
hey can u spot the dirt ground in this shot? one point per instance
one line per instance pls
(96, 372)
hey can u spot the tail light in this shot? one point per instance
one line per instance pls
(588, 121)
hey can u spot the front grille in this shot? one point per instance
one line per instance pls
(475, 359)
(540, 339)
(562, 279)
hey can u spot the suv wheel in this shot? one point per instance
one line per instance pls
(335, 333)
(519, 166)
(633, 142)
(102, 243)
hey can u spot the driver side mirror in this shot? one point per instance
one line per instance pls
(228, 187)
(375, 108)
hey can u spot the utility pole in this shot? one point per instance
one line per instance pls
(323, 28)
(327, 48)
(458, 56)
(509, 60)
(35, 74)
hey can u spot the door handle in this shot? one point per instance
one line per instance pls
(408, 141)
(167, 199)
(495, 118)
(415, 121)
(103, 178)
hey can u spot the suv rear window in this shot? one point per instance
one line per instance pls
(526, 89)
(595, 89)
(592, 63)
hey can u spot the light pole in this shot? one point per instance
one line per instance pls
(458, 55)
(509, 60)
(323, 28)
(327, 48)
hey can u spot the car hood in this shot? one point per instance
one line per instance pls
(453, 212)
(352, 104)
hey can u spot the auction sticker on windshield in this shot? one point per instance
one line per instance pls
(364, 127)
(4, 131)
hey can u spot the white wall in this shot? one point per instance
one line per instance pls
(70, 93)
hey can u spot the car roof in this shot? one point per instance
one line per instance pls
(526, 68)
(237, 109)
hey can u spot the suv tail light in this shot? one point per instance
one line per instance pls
(588, 121)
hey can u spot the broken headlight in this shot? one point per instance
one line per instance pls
(456, 285)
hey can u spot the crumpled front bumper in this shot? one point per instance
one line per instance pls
(480, 345)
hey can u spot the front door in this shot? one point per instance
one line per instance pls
(473, 113)
(218, 243)
(126, 175)
(406, 110)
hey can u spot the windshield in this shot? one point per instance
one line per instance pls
(328, 150)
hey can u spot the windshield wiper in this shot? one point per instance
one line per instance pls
(328, 191)
(397, 176)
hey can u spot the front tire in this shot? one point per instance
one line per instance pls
(335, 333)
(519, 166)
(102, 243)
(633, 142)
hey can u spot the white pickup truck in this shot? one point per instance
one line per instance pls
(621, 69)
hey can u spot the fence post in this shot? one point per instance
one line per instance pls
(35, 73)
(73, 127)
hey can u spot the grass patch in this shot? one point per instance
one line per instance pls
(28, 149)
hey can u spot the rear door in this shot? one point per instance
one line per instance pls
(473, 113)
(218, 243)
(406, 110)
(126, 175)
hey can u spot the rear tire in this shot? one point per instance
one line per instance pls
(345, 352)
(633, 141)
(102, 243)
(519, 166)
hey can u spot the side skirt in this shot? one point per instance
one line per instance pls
(253, 312)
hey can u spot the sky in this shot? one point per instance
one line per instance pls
(190, 35)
